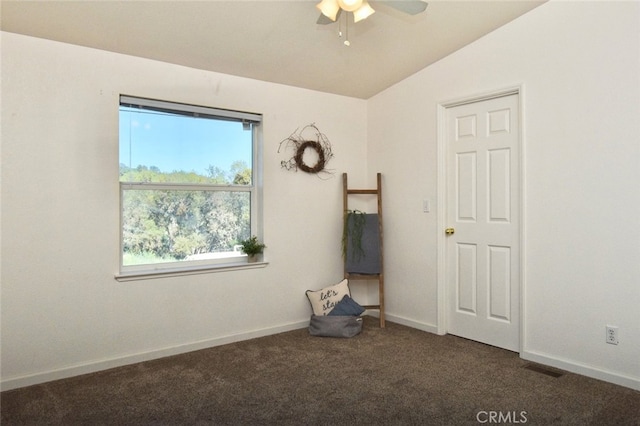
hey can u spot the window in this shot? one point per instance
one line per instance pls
(189, 185)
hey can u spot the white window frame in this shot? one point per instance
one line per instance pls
(227, 261)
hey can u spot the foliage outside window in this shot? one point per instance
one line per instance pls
(189, 184)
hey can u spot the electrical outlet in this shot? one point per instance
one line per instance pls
(612, 335)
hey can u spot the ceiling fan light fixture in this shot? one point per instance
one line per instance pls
(363, 12)
(329, 8)
(350, 5)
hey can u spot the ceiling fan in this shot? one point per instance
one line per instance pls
(332, 9)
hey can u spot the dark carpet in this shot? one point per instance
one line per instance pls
(392, 376)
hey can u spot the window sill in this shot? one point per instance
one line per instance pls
(195, 270)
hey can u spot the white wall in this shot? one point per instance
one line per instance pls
(579, 64)
(63, 313)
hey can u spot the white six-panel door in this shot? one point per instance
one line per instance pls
(482, 214)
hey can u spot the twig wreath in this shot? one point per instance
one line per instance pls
(301, 144)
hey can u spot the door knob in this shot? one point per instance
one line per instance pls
(449, 231)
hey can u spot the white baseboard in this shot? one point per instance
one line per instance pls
(582, 369)
(92, 367)
(105, 364)
(412, 323)
(540, 358)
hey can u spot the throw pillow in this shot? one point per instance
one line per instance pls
(323, 300)
(347, 306)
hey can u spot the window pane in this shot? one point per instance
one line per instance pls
(164, 147)
(177, 225)
(186, 181)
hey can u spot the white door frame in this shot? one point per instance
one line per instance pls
(442, 201)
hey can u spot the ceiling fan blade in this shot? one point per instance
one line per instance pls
(323, 20)
(412, 7)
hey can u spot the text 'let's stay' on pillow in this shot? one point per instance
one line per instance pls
(323, 300)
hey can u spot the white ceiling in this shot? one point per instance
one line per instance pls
(275, 41)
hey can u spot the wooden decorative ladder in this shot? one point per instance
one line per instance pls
(368, 277)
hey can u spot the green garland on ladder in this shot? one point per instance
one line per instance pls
(358, 221)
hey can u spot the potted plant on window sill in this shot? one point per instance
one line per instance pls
(252, 248)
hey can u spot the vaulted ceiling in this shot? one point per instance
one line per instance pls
(275, 41)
